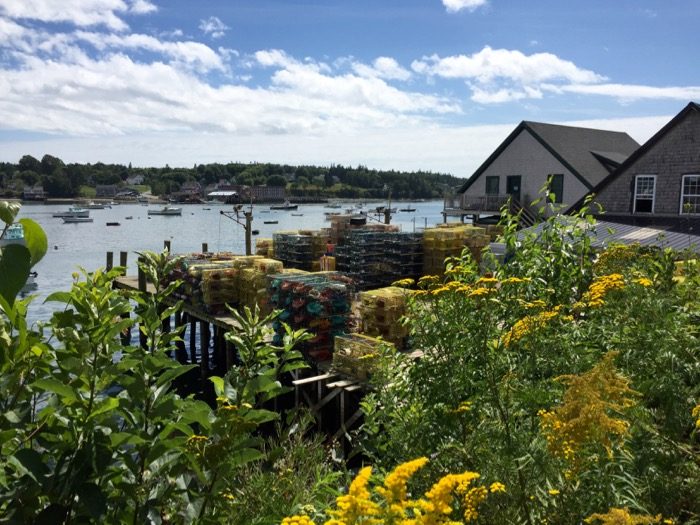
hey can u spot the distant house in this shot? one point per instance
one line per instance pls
(659, 184)
(135, 180)
(108, 191)
(34, 193)
(573, 159)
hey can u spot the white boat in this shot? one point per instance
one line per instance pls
(14, 234)
(333, 204)
(166, 210)
(97, 206)
(71, 220)
(286, 206)
(73, 211)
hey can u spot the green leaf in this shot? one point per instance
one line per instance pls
(8, 211)
(59, 297)
(218, 384)
(14, 268)
(173, 373)
(35, 239)
(94, 500)
(30, 462)
(103, 406)
(58, 388)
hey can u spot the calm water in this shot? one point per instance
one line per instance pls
(86, 245)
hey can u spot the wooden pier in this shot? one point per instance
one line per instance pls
(333, 400)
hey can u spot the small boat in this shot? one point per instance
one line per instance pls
(129, 217)
(333, 204)
(255, 232)
(73, 220)
(270, 222)
(409, 209)
(113, 224)
(286, 206)
(14, 234)
(207, 209)
(96, 206)
(73, 211)
(166, 210)
(297, 214)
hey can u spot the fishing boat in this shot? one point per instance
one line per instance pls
(14, 234)
(408, 209)
(74, 220)
(286, 206)
(166, 210)
(113, 224)
(73, 211)
(333, 204)
(270, 222)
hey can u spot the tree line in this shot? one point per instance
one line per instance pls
(60, 179)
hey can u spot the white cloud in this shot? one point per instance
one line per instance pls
(631, 92)
(192, 53)
(453, 6)
(382, 67)
(501, 75)
(142, 7)
(213, 26)
(81, 13)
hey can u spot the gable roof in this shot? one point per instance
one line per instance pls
(692, 106)
(585, 152)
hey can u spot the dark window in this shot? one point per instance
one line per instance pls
(492, 185)
(644, 187)
(556, 186)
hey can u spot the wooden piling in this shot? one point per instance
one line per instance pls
(166, 245)
(205, 247)
(110, 261)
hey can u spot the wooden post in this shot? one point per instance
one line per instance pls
(193, 340)
(122, 260)
(387, 215)
(166, 245)
(110, 261)
(248, 232)
(181, 352)
(143, 341)
(205, 247)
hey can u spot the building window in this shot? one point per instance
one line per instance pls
(492, 183)
(644, 187)
(690, 194)
(556, 186)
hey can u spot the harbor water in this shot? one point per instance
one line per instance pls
(84, 245)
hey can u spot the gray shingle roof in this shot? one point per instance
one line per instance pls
(576, 146)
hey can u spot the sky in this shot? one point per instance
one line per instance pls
(390, 84)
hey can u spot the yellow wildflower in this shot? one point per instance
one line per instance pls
(553, 492)
(497, 486)
(404, 283)
(487, 280)
(356, 503)
(622, 516)
(583, 418)
(643, 281)
(472, 500)
(464, 406)
(479, 292)
(394, 490)
(601, 286)
(516, 280)
(696, 414)
(428, 280)
(297, 520)
(529, 324)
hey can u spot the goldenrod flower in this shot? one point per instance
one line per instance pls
(643, 281)
(297, 520)
(553, 492)
(497, 486)
(617, 516)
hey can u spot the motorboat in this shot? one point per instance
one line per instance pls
(97, 205)
(166, 210)
(73, 211)
(270, 222)
(75, 220)
(113, 224)
(408, 209)
(333, 204)
(286, 206)
(14, 234)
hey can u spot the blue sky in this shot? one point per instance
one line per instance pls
(411, 84)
